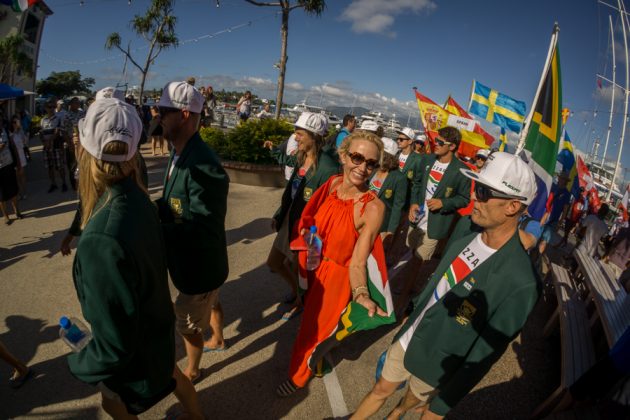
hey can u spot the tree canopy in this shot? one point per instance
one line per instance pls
(13, 59)
(65, 83)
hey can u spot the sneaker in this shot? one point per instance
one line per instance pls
(52, 188)
(64, 188)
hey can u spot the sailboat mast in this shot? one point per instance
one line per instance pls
(624, 23)
(614, 86)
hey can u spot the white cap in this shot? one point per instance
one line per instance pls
(265, 101)
(508, 174)
(369, 125)
(390, 146)
(315, 123)
(108, 120)
(60, 102)
(407, 132)
(110, 92)
(181, 95)
(421, 138)
(483, 153)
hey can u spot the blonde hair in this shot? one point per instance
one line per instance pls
(96, 176)
(362, 135)
(318, 144)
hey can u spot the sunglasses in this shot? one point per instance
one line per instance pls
(483, 193)
(163, 110)
(402, 139)
(358, 159)
(441, 142)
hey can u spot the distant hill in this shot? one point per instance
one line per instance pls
(340, 111)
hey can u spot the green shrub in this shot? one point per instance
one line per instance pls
(244, 143)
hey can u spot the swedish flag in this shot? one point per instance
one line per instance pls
(497, 108)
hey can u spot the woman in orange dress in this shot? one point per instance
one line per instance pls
(348, 218)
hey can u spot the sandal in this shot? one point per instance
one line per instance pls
(16, 382)
(286, 388)
(292, 313)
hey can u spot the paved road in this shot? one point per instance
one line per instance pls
(36, 289)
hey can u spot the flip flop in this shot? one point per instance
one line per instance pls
(292, 313)
(15, 383)
(215, 349)
(198, 378)
(286, 388)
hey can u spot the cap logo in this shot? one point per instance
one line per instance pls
(124, 131)
(513, 188)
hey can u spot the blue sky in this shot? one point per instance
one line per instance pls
(371, 50)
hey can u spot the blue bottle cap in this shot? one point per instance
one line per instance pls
(313, 229)
(64, 323)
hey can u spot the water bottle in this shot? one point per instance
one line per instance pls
(314, 249)
(419, 215)
(74, 333)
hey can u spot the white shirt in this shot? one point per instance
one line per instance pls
(170, 171)
(435, 176)
(595, 229)
(292, 146)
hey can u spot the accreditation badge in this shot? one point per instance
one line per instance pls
(388, 193)
(410, 174)
(449, 192)
(308, 192)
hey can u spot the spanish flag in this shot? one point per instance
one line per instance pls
(432, 115)
(474, 140)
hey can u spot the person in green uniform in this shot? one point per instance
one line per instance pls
(438, 191)
(120, 273)
(474, 305)
(313, 167)
(192, 211)
(391, 187)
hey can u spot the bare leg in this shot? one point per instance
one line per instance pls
(216, 327)
(160, 141)
(153, 144)
(406, 404)
(194, 350)
(373, 401)
(20, 369)
(186, 394)
(116, 409)
(16, 210)
(4, 213)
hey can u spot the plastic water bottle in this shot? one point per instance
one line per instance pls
(419, 215)
(314, 249)
(74, 333)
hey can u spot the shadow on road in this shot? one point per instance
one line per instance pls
(49, 241)
(249, 232)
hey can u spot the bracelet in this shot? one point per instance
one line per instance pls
(359, 290)
(356, 298)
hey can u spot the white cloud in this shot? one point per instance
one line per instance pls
(605, 93)
(294, 86)
(377, 16)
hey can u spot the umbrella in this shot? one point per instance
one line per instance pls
(8, 92)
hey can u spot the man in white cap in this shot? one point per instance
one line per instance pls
(192, 211)
(110, 92)
(369, 125)
(474, 305)
(481, 157)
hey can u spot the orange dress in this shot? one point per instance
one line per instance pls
(329, 290)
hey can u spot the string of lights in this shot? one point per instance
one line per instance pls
(230, 29)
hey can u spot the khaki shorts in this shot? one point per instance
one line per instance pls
(192, 312)
(420, 243)
(394, 371)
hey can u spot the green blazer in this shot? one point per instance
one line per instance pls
(327, 166)
(192, 211)
(393, 194)
(464, 334)
(412, 167)
(121, 281)
(453, 190)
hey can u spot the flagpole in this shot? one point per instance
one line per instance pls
(614, 86)
(528, 120)
(472, 91)
(624, 22)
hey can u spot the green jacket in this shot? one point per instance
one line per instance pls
(192, 210)
(413, 165)
(122, 284)
(466, 332)
(327, 166)
(393, 194)
(453, 190)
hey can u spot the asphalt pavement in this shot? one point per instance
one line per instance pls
(36, 288)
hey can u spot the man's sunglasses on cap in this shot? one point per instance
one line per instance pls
(441, 142)
(358, 159)
(483, 193)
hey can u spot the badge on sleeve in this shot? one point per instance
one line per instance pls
(388, 193)
(465, 313)
(410, 173)
(449, 192)
(308, 192)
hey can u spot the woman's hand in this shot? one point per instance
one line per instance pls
(364, 300)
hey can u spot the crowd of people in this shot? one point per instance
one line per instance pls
(362, 192)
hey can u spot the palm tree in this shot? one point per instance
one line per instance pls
(157, 27)
(312, 7)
